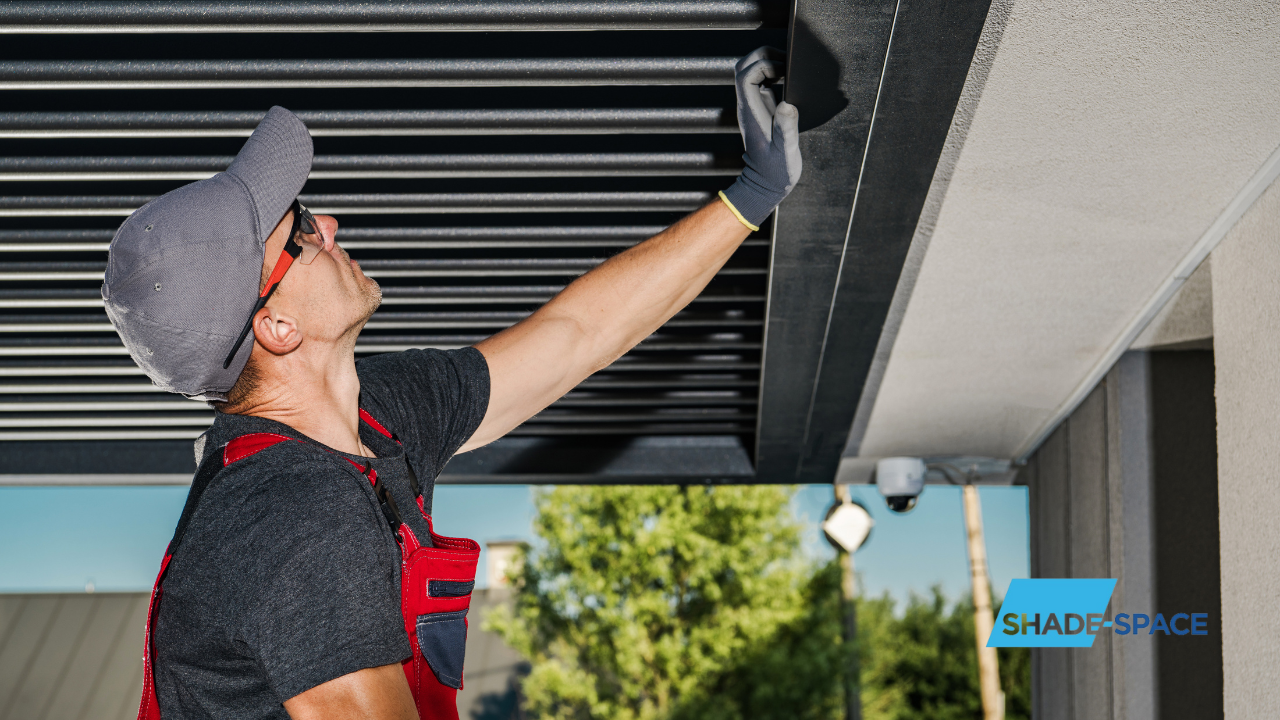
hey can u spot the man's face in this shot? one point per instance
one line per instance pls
(331, 298)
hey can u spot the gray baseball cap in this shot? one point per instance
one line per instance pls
(184, 269)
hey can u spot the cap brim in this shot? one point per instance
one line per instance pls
(274, 164)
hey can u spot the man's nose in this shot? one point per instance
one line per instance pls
(329, 227)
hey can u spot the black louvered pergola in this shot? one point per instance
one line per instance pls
(479, 156)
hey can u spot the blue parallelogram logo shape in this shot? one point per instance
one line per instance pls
(1056, 597)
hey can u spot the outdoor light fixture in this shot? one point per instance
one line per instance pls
(901, 480)
(847, 525)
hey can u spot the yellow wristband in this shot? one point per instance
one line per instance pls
(735, 212)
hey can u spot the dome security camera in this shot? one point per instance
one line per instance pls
(900, 480)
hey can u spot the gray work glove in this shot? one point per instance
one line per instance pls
(771, 137)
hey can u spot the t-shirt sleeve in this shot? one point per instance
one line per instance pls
(324, 600)
(433, 400)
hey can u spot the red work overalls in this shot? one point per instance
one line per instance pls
(435, 586)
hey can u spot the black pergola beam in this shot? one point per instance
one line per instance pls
(877, 85)
(533, 460)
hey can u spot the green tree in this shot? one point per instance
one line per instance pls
(642, 603)
(674, 602)
(924, 666)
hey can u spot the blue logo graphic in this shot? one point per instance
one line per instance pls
(1052, 612)
(1070, 612)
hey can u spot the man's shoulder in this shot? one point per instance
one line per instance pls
(432, 399)
(288, 487)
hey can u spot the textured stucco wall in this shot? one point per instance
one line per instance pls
(1246, 319)
(1187, 321)
(1107, 139)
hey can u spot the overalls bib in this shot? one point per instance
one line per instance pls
(435, 585)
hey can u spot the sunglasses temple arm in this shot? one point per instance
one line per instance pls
(248, 325)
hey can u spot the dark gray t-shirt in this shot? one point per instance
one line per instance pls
(288, 575)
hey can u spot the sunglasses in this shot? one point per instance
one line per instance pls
(304, 245)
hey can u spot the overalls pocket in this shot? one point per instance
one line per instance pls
(442, 638)
(450, 588)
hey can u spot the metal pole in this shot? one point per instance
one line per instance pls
(988, 670)
(848, 595)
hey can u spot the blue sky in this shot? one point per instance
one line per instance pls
(926, 547)
(62, 539)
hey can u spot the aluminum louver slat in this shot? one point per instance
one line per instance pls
(435, 296)
(134, 387)
(340, 167)
(200, 421)
(404, 238)
(455, 15)
(364, 72)
(26, 272)
(347, 123)
(387, 203)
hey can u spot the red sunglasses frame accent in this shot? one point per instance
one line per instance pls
(290, 253)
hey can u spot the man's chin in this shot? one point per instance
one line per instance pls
(369, 299)
(371, 293)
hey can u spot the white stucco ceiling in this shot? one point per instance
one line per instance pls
(1102, 144)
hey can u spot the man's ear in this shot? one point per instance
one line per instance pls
(276, 332)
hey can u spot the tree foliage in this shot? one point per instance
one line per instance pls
(924, 665)
(673, 602)
(642, 603)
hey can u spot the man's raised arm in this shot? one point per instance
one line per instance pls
(610, 309)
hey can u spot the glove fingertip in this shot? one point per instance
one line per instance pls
(786, 121)
(760, 53)
(759, 71)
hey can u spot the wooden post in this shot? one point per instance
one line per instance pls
(848, 593)
(983, 622)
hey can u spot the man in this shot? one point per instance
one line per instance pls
(284, 598)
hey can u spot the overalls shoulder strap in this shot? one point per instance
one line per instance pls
(414, 485)
(435, 595)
